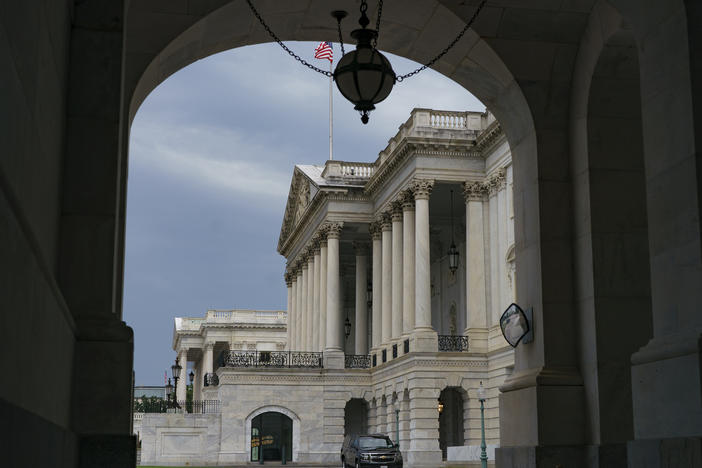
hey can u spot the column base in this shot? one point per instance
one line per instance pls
(424, 340)
(666, 387)
(477, 339)
(333, 359)
(542, 407)
(682, 452)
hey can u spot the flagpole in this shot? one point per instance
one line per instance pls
(331, 124)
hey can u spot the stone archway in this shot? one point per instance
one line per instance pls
(293, 436)
(451, 415)
(356, 416)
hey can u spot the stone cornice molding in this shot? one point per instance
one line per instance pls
(489, 137)
(296, 231)
(439, 148)
(422, 188)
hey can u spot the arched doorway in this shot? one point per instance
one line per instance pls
(271, 437)
(356, 416)
(450, 419)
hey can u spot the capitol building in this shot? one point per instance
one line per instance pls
(397, 274)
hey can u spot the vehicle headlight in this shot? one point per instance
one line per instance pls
(365, 456)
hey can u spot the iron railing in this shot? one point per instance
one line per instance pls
(357, 361)
(211, 380)
(273, 359)
(456, 343)
(184, 406)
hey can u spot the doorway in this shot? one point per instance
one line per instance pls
(271, 437)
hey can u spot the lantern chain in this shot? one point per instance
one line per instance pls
(445, 51)
(377, 24)
(341, 40)
(285, 48)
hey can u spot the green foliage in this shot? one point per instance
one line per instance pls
(151, 404)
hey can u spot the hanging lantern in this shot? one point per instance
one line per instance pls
(369, 294)
(347, 328)
(364, 76)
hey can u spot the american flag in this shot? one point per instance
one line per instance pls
(324, 51)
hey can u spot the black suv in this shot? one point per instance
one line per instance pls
(370, 451)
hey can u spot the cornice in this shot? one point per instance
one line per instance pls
(489, 137)
(455, 149)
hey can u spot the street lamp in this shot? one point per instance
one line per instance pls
(175, 370)
(192, 377)
(482, 396)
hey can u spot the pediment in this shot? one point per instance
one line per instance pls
(302, 191)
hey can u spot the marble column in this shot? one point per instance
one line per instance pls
(493, 254)
(288, 329)
(386, 276)
(309, 313)
(208, 359)
(424, 336)
(183, 380)
(333, 352)
(361, 345)
(476, 312)
(323, 291)
(316, 291)
(298, 312)
(376, 306)
(304, 324)
(408, 263)
(397, 272)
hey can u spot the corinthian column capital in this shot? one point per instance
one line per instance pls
(474, 190)
(375, 230)
(333, 229)
(422, 188)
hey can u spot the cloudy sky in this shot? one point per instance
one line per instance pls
(212, 152)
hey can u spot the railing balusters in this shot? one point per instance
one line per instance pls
(456, 343)
(357, 361)
(278, 359)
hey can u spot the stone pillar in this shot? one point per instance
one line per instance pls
(183, 380)
(408, 263)
(298, 312)
(333, 352)
(316, 291)
(292, 315)
(404, 423)
(424, 427)
(476, 318)
(309, 313)
(207, 360)
(377, 307)
(493, 255)
(361, 345)
(397, 272)
(323, 292)
(389, 429)
(424, 337)
(386, 275)
(304, 324)
(288, 329)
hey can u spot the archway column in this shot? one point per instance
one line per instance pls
(361, 335)
(476, 310)
(333, 352)
(424, 337)
(397, 275)
(316, 291)
(323, 258)
(408, 227)
(376, 310)
(386, 278)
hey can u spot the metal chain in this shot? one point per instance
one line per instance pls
(285, 48)
(443, 52)
(377, 24)
(341, 40)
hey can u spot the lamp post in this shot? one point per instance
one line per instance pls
(482, 396)
(452, 251)
(175, 370)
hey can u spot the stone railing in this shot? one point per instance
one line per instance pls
(138, 416)
(453, 343)
(448, 119)
(357, 361)
(342, 169)
(268, 359)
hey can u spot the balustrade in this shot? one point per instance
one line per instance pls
(454, 343)
(272, 359)
(357, 361)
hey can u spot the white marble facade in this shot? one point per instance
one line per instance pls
(367, 243)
